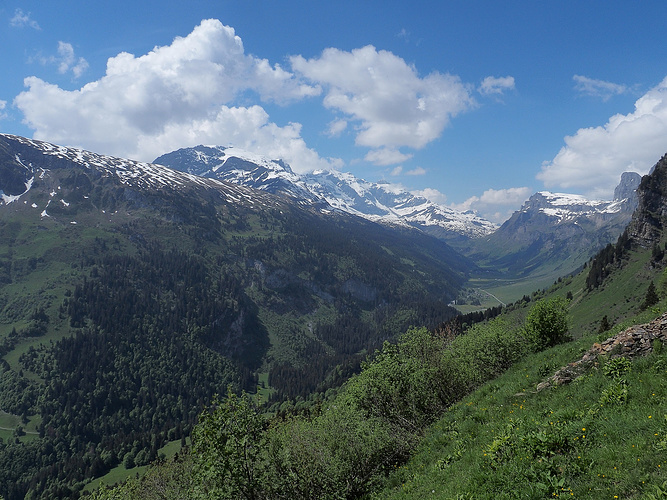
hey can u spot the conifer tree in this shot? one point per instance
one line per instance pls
(604, 324)
(651, 297)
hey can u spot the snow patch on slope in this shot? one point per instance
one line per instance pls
(135, 174)
(7, 199)
(564, 206)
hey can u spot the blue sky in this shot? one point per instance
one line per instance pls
(476, 104)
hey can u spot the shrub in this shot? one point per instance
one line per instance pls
(228, 447)
(546, 323)
(617, 367)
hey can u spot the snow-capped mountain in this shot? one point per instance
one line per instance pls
(382, 202)
(558, 231)
(563, 208)
(38, 162)
(562, 214)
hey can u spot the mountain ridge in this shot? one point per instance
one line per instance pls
(551, 235)
(375, 201)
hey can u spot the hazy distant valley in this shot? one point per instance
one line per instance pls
(551, 235)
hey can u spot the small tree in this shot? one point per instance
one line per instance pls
(228, 446)
(651, 298)
(546, 323)
(604, 324)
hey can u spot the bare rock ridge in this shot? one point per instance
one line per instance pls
(626, 189)
(648, 220)
(638, 340)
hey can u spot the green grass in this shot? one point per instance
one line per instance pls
(115, 476)
(264, 391)
(120, 473)
(507, 441)
(9, 422)
(620, 297)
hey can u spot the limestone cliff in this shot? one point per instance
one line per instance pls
(649, 218)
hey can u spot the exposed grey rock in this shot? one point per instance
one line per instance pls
(635, 341)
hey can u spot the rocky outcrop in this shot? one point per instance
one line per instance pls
(648, 220)
(635, 341)
(627, 189)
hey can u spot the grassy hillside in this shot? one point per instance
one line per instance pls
(458, 418)
(596, 438)
(603, 436)
(128, 304)
(114, 335)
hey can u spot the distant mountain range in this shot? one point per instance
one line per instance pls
(379, 202)
(551, 233)
(555, 233)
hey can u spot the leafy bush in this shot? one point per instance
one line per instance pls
(228, 449)
(617, 367)
(546, 323)
(614, 394)
(347, 446)
(402, 385)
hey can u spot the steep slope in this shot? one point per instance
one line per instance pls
(649, 219)
(598, 437)
(130, 293)
(374, 201)
(516, 436)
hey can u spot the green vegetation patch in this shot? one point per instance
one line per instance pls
(603, 436)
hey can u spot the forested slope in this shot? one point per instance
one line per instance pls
(130, 294)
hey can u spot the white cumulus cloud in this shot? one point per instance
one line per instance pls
(386, 156)
(431, 194)
(416, 171)
(68, 61)
(393, 104)
(495, 204)
(174, 96)
(336, 128)
(3, 105)
(593, 159)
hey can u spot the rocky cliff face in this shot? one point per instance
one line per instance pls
(627, 188)
(649, 218)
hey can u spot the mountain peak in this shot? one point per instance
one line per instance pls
(627, 188)
(380, 202)
(648, 220)
(554, 233)
(29, 162)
